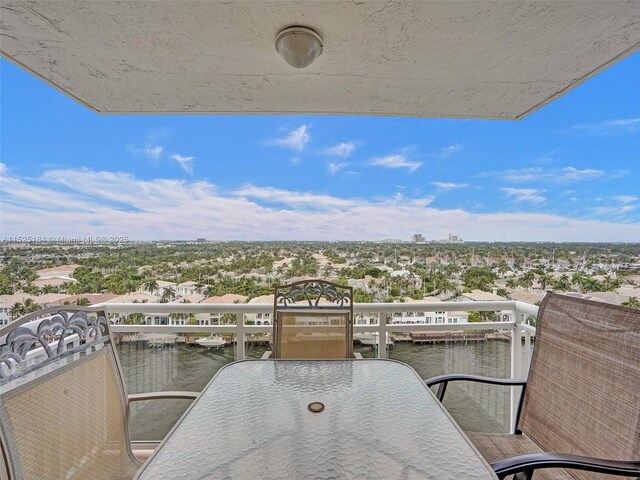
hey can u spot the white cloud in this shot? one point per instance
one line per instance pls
(449, 185)
(623, 204)
(446, 152)
(610, 127)
(571, 174)
(150, 151)
(86, 202)
(343, 150)
(290, 198)
(153, 152)
(335, 167)
(626, 198)
(395, 161)
(295, 140)
(529, 195)
(184, 162)
(537, 174)
(523, 176)
(614, 211)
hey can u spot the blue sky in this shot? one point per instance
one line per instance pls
(569, 171)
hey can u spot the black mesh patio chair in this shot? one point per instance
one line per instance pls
(579, 411)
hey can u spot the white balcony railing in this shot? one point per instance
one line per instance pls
(519, 332)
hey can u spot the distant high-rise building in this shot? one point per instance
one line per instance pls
(453, 239)
(417, 238)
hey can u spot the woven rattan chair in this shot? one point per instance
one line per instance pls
(63, 406)
(579, 413)
(313, 319)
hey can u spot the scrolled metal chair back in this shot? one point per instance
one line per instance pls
(313, 319)
(63, 405)
(50, 330)
(313, 291)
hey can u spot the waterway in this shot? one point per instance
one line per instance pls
(475, 407)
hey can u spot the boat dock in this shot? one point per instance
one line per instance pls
(419, 338)
(163, 339)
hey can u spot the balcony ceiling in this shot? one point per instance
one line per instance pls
(476, 59)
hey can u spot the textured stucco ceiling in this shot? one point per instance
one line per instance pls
(477, 59)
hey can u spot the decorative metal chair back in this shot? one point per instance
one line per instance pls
(583, 390)
(63, 409)
(313, 319)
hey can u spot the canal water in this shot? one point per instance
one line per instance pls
(476, 407)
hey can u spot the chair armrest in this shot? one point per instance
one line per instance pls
(443, 381)
(138, 397)
(532, 461)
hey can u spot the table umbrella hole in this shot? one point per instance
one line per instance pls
(316, 407)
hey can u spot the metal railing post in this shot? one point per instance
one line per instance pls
(240, 340)
(382, 335)
(516, 370)
(527, 351)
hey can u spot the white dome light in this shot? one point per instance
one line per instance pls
(299, 46)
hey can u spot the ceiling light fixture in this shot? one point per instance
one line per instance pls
(299, 46)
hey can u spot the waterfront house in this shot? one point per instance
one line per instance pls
(482, 296)
(186, 289)
(425, 317)
(260, 318)
(62, 271)
(215, 317)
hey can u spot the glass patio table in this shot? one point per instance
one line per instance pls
(255, 420)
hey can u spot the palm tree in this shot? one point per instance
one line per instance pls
(130, 286)
(526, 280)
(327, 269)
(199, 284)
(134, 318)
(151, 286)
(577, 279)
(562, 284)
(544, 280)
(590, 284)
(65, 287)
(609, 284)
(633, 302)
(16, 311)
(168, 294)
(502, 267)
(31, 306)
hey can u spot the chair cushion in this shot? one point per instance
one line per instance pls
(496, 446)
